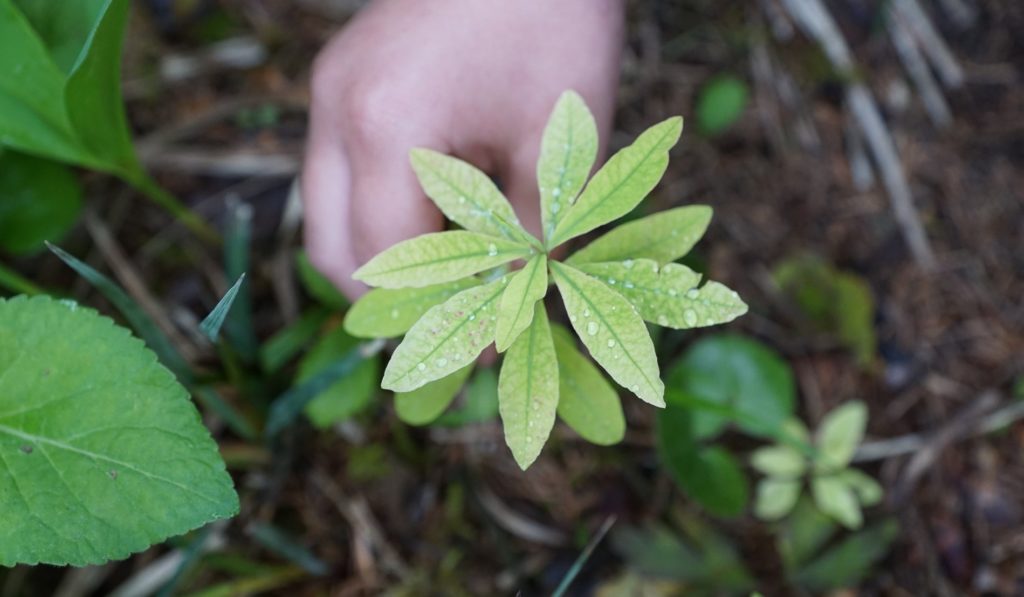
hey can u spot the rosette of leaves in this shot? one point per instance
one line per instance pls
(452, 294)
(838, 490)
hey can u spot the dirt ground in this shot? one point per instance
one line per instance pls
(448, 509)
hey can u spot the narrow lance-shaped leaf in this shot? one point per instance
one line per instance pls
(101, 451)
(515, 311)
(389, 312)
(612, 331)
(528, 391)
(426, 403)
(467, 196)
(567, 153)
(586, 401)
(663, 237)
(622, 183)
(668, 295)
(438, 257)
(447, 338)
(211, 325)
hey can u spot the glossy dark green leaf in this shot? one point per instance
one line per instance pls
(39, 201)
(721, 103)
(710, 475)
(751, 383)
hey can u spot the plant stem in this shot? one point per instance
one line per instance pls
(148, 187)
(17, 283)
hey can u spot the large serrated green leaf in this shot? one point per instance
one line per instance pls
(528, 391)
(612, 331)
(447, 338)
(668, 295)
(839, 435)
(663, 237)
(101, 452)
(567, 153)
(349, 395)
(426, 403)
(390, 312)
(467, 196)
(622, 183)
(515, 310)
(586, 401)
(438, 257)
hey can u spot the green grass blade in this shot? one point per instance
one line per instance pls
(213, 322)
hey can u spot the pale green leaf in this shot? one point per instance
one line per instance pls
(438, 257)
(668, 295)
(586, 401)
(622, 183)
(868, 491)
(776, 498)
(528, 391)
(515, 310)
(390, 312)
(663, 237)
(612, 331)
(102, 453)
(424, 404)
(567, 153)
(839, 435)
(779, 461)
(836, 499)
(447, 338)
(349, 395)
(467, 196)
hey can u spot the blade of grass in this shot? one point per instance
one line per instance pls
(290, 405)
(213, 322)
(137, 318)
(231, 417)
(190, 219)
(278, 542)
(584, 556)
(282, 346)
(190, 555)
(237, 241)
(275, 578)
(17, 283)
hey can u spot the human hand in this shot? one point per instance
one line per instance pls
(470, 78)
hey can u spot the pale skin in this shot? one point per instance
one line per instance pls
(472, 78)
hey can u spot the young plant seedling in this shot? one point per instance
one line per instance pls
(452, 294)
(838, 490)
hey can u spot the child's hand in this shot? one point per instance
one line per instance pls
(472, 78)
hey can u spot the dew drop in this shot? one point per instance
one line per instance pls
(692, 293)
(462, 199)
(627, 263)
(586, 312)
(611, 281)
(572, 318)
(441, 362)
(472, 317)
(629, 285)
(492, 250)
(690, 316)
(421, 366)
(654, 268)
(672, 292)
(662, 320)
(635, 389)
(394, 314)
(592, 328)
(555, 207)
(611, 343)
(556, 192)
